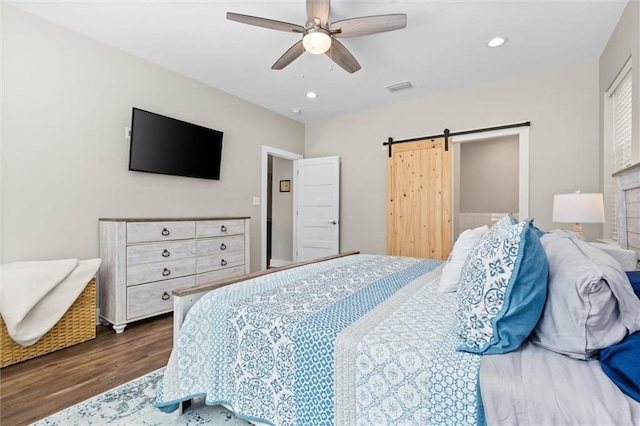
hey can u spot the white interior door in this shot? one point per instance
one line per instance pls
(316, 203)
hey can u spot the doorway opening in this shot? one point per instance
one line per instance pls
(488, 182)
(276, 217)
(279, 212)
(490, 177)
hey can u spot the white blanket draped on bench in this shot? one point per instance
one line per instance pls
(35, 295)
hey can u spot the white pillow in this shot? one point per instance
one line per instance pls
(450, 277)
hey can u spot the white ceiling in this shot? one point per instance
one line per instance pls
(443, 47)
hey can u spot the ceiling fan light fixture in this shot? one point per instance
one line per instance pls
(316, 40)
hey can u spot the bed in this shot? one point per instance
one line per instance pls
(491, 336)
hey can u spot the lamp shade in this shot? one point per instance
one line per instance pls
(578, 208)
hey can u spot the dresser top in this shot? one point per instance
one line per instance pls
(169, 219)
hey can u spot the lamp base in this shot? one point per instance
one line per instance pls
(577, 228)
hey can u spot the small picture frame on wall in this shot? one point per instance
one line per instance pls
(285, 186)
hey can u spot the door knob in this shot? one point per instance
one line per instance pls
(333, 222)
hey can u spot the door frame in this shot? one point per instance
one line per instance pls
(522, 133)
(266, 152)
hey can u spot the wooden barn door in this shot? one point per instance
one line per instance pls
(419, 200)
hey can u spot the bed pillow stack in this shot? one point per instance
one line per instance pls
(503, 288)
(450, 277)
(590, 303)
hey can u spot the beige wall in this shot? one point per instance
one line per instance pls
(66, 102)
(562, 106)
(489, 176)
(2, 177)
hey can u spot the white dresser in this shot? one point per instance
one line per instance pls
(143, 260)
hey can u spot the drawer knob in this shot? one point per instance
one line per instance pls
(166, 253)
(165, 232)
(223, 247)
(165, 296)
(223, 262)
(166, 272)
(223, 228)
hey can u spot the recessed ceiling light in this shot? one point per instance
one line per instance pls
(296, 110)
(312, 95)
(496, 41)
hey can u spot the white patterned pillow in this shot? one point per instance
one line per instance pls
(503, 224)
(503, 288)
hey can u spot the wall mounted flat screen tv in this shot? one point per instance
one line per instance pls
(169, 146)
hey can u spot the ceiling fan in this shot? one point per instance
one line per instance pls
(319, 36)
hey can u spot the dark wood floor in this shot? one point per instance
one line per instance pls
(37, 388)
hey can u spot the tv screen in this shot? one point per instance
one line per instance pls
(168, 146)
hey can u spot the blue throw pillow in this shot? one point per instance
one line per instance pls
(634, 279)
(503, 288)
(620, 363)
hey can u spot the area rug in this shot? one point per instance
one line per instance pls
(131, 404)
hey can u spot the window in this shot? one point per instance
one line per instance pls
(619, 133)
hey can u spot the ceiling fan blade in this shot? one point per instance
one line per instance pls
(318, 9)
(341, 56)
(366, 25)
(265, 23)
(289, 56)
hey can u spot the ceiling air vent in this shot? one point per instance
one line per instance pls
(399, 86)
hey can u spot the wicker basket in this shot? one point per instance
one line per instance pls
(77, 325)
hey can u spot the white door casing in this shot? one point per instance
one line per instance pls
(316, 203)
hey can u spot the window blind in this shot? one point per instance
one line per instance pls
(621, 135)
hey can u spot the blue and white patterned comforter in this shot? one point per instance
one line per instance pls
(356, 340)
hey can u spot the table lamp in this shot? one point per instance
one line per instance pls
(578, 208)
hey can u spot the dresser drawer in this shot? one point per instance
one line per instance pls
(219, 261)
(219, 245)
(142, 232)
(154, 298)
(147, 272)
(218, 228)
(160, 252)
(221, 274)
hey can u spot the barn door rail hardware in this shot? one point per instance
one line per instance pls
(446, 134)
